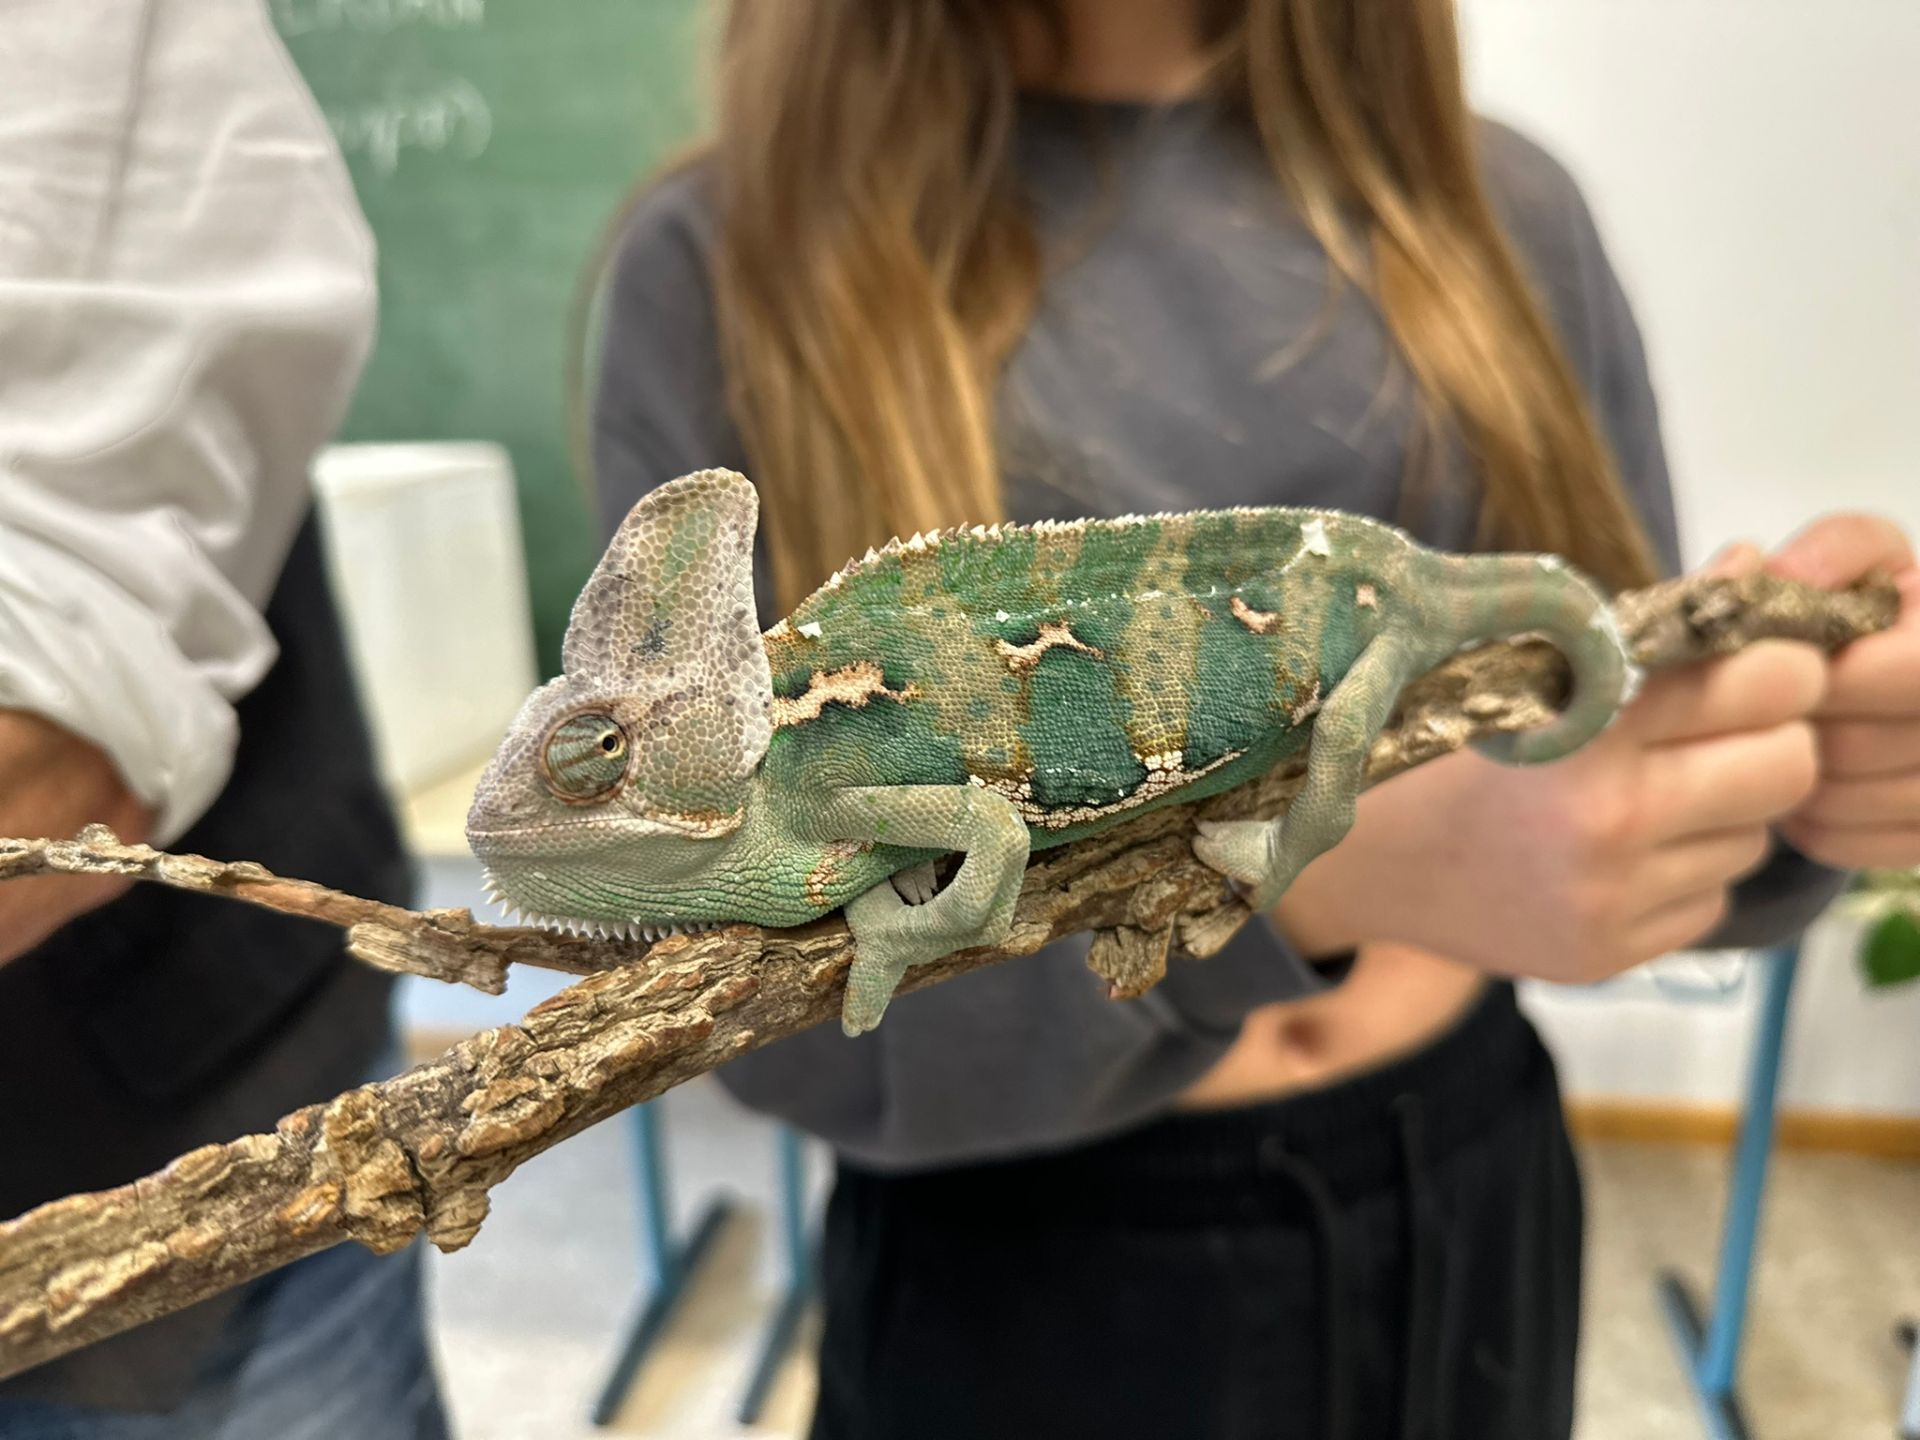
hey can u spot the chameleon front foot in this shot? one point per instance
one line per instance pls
(890, 937)
(918, 884)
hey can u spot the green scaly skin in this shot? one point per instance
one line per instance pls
(988, 692)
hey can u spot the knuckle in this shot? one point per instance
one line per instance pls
(1784, 678)
(1798, 768)
(1807, 835)
(1809, 675)
(1613, 819)
(1841, 749)
(1602, 960)
(1697, 920)
(1615, 960)
(1751, 853)
(1598, 903)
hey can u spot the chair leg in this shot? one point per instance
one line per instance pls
(785, 1324)
(1710, 1347)
(1910, 1411)
(672, 1264)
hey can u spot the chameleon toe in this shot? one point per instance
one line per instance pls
(1238, 849)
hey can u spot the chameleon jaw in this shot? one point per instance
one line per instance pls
(592, 929)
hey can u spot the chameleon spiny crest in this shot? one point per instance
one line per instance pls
(986, 691)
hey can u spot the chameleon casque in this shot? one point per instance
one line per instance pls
(984, 691)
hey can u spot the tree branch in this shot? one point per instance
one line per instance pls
(383, 1162)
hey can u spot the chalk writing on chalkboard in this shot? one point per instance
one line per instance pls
(307, 17)
(450, 118)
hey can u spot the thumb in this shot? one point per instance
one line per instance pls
(1837, 550)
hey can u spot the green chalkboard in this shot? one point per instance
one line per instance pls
(491, 141)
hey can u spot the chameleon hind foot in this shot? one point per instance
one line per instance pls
(1266, 856)
(1253, 854)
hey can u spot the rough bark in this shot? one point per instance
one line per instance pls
(419, 1152)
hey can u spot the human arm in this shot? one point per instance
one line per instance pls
(185, 299)
(51, 783)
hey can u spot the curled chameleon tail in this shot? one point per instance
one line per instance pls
(1451, 602)
(1501, 596)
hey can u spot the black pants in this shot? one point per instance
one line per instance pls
(1395, 1256)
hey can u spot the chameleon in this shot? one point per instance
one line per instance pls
(982, 691)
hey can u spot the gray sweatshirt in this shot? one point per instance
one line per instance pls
(1149, 380)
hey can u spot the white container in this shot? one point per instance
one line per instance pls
(423, 546)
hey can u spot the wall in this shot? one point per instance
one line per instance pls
(1755, 169)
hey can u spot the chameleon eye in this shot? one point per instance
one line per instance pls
(585, 758)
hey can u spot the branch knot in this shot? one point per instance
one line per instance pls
(381, 1202)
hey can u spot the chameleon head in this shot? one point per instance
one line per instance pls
(616, 778)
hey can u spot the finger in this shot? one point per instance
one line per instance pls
(1878, 847)
(1883, 800)
(1728, 782)
(1702, 862)
(1679, 925)
(1863, 749)
(1837, 550)
(1766, 684)
(1877, 675)
(1742, 557)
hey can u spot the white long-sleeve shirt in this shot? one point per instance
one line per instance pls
(186, 299)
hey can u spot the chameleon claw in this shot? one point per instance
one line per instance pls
(917, 884)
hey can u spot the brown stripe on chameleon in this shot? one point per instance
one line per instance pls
(963, 692)
(1505, 605)
(1304, 706)
(1297, 655)
(853, 685)
(1162, 647)
(920, 575)
(1056, 552)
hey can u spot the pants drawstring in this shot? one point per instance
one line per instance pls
(1337, 1300)
(1426, 1400)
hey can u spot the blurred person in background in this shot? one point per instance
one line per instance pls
(952, 261)
(186, 298)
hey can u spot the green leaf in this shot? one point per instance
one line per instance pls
(1891, 955)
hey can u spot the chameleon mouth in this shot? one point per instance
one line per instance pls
(649, 930)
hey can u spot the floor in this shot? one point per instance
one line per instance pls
(529, 1318)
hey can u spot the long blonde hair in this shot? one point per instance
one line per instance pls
(876, 268)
